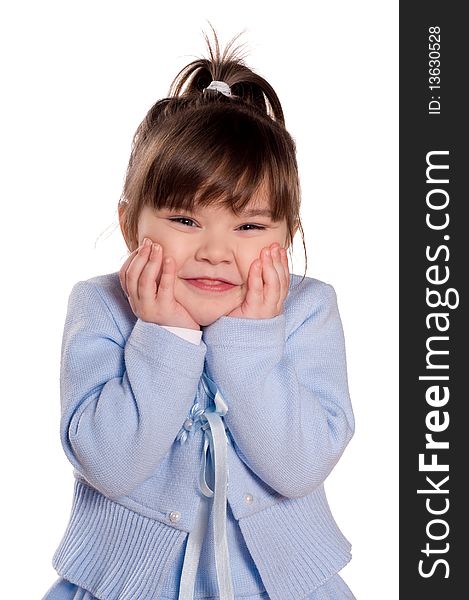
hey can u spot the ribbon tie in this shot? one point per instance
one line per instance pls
(215, 441)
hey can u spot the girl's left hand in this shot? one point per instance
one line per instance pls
(268, 283)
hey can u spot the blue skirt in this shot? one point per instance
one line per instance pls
(334, 588)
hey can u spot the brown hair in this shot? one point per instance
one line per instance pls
(199, 147)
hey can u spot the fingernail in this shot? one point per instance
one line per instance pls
(267, 252)
(146, 242)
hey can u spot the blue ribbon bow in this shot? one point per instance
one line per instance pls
(215, 441)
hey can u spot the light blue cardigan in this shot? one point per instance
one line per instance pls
(127, 389)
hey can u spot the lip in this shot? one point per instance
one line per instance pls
(222, 286)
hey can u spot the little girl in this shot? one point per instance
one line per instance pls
(204, 395)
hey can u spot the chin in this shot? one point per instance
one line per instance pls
(206, 313)
(207, 319)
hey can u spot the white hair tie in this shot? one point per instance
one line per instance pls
(219, 86)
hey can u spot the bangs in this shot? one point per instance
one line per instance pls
(221, 158)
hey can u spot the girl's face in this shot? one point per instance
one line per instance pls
(211, 243)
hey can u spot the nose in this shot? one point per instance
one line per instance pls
(215, 248)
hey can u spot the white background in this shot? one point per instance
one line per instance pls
(77, 80)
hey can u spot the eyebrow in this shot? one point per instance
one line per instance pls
(257, 212)
(253, 212)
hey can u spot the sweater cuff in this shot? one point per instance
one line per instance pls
(239, 332)
(191, 335)
(167, 349)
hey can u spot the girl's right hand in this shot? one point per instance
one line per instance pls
(151, 295)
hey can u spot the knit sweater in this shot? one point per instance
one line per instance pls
(128, 386)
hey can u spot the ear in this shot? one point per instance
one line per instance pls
(295, 229)
(121, 209)
(124, 228)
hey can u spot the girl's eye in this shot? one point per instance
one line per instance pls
(178, 219)
(252, 225)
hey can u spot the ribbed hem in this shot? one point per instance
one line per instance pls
(296, 545)
(113, 552)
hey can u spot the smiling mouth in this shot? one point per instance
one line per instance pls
(210, 285)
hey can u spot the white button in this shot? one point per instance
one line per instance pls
(248, 498)
(174, 516)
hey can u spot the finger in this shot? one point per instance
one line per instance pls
(285, 280)
(135, 268)
(255, 291)
(166, 285)
(147, 284)
(279, 266)
(123, 269)
(284, 273)
(286, 266)
(271, 280)
(284, 258)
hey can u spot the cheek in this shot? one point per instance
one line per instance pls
(176, 251)
(246, 258)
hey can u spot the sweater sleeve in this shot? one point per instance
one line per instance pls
(191, 335)
(122, 401)
(289, 411)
